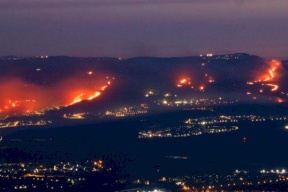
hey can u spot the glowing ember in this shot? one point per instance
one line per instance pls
(11, 104)
(211, 81)
(77, 99)
(104, 87)
(279, 100)
(88, 95)
(184, 82)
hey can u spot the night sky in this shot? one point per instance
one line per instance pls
(128, 28)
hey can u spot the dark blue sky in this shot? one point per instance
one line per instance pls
(127, 28)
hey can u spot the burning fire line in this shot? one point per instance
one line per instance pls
(83, 96)
(274, 86)
(269, 75)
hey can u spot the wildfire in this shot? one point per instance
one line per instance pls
(19, 97)
(271, 73)
(279, 100)
(184, 82)
(88, 95)
(269, 76)
(274, 86)
(201, 82)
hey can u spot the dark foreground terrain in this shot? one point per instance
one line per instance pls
(130, 158)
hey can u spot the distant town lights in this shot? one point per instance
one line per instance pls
(207, 55)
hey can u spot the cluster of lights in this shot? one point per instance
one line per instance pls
(277, 171)
(187, 131)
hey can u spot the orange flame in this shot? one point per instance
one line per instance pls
(184, 82)
(279, 100)
(271, 73)
(89, 96)
(274, 86)
(19, 97)
(94, 96)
